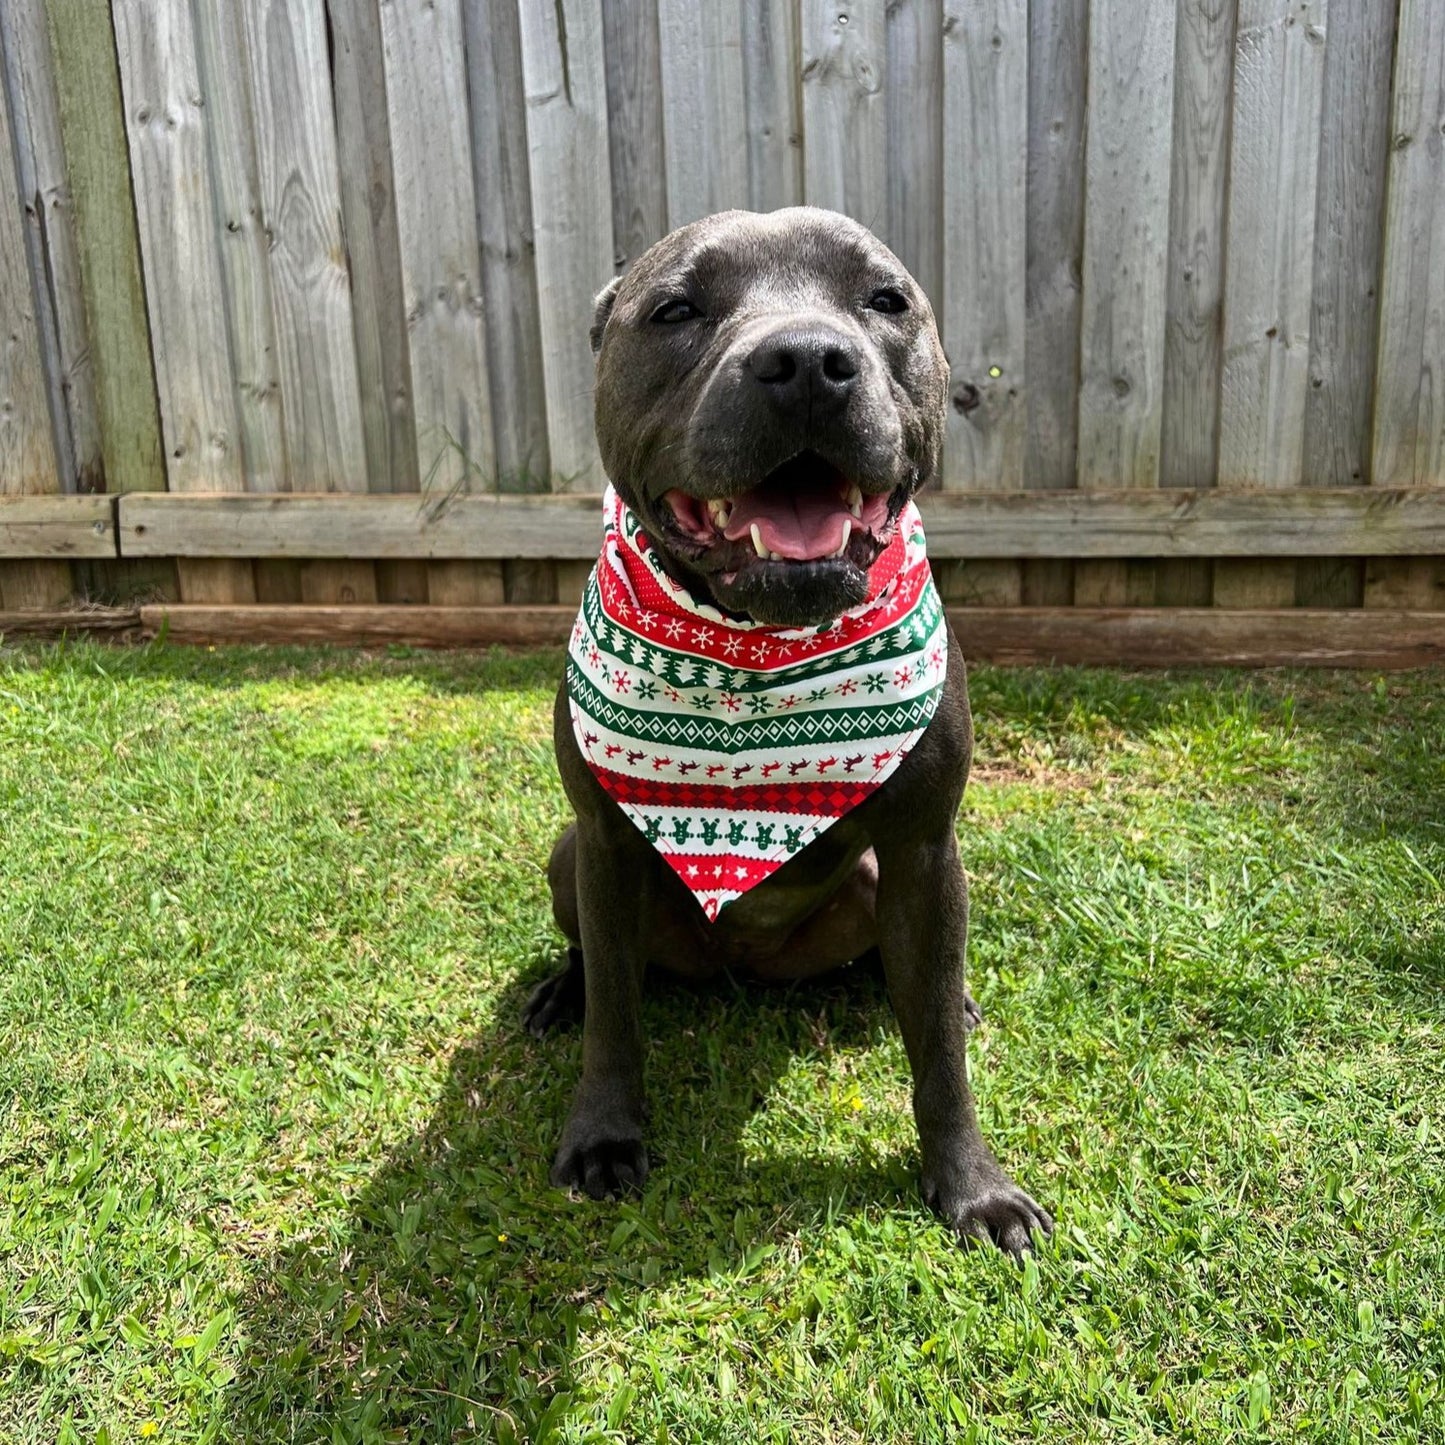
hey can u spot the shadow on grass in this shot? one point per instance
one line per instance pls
(454, 1301)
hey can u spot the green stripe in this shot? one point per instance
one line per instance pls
(791, 729)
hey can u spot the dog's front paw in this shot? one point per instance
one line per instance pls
(600, 1167)
(987, 1207)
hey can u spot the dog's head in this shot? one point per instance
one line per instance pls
(770, 393)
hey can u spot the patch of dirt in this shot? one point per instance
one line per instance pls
(1022, 770)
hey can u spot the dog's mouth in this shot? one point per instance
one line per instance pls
(806, 510)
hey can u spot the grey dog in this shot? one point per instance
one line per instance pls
(782, 351)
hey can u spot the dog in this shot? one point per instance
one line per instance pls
(783, 368)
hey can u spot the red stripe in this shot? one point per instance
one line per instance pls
(824, 796)
(706, 880)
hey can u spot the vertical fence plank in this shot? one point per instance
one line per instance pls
(243, 245)
(1126, 235)
(635, 147)
(985, 128)
(1194, 324)
(566, 94)
(1354, 151)
(166, 130)
(426, 99)
(914, 104)
(92, 127)
(1054, 259)
(704, 114)
(45, 196)
(116, 333)
(1058, 53)
(504, 223)
(27, 451)
(1409, 432)
(1408, 440)
(509, 283)
(1344, 311)
(1278, 86)
(1126, 232)
(1194, 330)
(295, 119)
(165, 123)
(772, 62)
(368, 209)
(845, 119)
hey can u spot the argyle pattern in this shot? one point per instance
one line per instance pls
(732, 744)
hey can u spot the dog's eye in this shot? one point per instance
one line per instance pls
(887, 300)
(674, 311)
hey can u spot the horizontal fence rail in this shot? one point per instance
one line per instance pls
(1301, 522)
(1140, 637)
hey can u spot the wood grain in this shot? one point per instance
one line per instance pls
(166, 129)
(845, 118)
(1279, 70)
(90, 621)
(368, 209)
(1100, 525)
(633, 51)
(985, 127)
(27, 453)
(92, 126)
(1344, 308)
(426, 97)
(772, 64)
(56, 526)
(515, 365)
(704, 109)
(913, 98)
(1058, 54)
(299, 188)
(1194, 323)
(1126, 234)
(1026, 636)
(566, 105)
(27, 73)
(243, 245)
(1409, 432)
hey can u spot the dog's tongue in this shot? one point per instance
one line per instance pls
(800, 526)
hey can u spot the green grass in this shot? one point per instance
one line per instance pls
(273, 1147)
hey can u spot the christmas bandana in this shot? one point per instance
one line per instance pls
(732, 744)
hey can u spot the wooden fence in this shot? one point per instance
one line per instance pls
(1188, 260)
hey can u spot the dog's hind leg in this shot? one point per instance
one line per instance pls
(561, 998)
(558, 999)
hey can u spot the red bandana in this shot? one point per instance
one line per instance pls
(732, 744)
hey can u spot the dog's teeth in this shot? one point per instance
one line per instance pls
(847, 532)
(719, 511)
(758, 542)
(854, 499)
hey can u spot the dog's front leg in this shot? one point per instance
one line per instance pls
(923, 927)
(601, 1149)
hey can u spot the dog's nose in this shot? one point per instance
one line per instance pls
(812, 369)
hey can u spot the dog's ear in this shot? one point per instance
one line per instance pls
(601, 310)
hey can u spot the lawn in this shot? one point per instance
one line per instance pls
(273, 1146)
